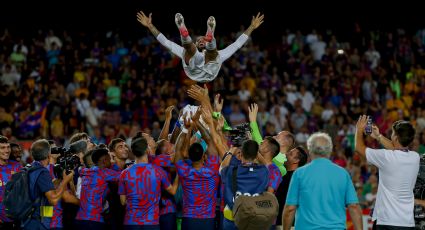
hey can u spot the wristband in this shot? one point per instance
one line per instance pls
(225, 155)
(184, 130)
(216, 115)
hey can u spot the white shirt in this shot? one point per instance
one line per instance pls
(398, 171)
(197, 69)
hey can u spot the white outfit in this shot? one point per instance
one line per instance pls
(398, 171)
(197, 69)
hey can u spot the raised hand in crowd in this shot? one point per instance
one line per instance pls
(218, 103)
(201, 95)
(166, 126)
(252, 112)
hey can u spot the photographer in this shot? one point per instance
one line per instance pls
(68, 197)
(252, 177)
(44, 188)
(398, 170)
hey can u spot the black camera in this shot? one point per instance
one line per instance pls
(67, 160)
(239, 134)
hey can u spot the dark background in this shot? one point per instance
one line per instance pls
(93, 15)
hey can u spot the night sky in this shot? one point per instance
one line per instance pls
(25, 17)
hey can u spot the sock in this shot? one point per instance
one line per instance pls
(186, 39)
(212, 45)
(209, 36)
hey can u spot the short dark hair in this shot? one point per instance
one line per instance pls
(139, 146)
(274, 145)
(113, 143)
(249, 149)
(78, 136)
(14, 145)
(97, 154)
(51, 142)
(302, 156)
(404, 131)
(138, 134)
(102, 146)
(40, 150)
(196, 152)
(3, 139)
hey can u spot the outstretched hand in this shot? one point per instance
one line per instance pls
(143, 19)
(361, 123)
(218, 104)
(252, 114)
(197, 115)
(198, 93)
(257, 20)
(169, 112)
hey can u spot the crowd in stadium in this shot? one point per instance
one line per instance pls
(59, 85)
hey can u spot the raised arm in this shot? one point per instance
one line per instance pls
(211, 150)
(232, 48)
(255, 23)
(218, 103)
(381, 139)
(166, 128)
(182, 143)
(207, 116)
(147, 22)
(201, 95)
(253, 110)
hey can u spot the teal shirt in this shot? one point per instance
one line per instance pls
(321, 191)
(280, 159)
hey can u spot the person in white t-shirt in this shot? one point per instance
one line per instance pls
(201, 60)
(398, 170)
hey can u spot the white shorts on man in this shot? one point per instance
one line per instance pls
(197, 69)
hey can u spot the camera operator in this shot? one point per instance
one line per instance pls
(68, 159)
(94, 184)
(44, 188)
(398, 170)
(68, 197)
(252, 177)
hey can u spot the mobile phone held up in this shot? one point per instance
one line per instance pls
(368, 128)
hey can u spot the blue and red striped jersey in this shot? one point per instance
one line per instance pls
(93, 188)
(275, 177)
(199, 187)
(167, 203)
(141, 184)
